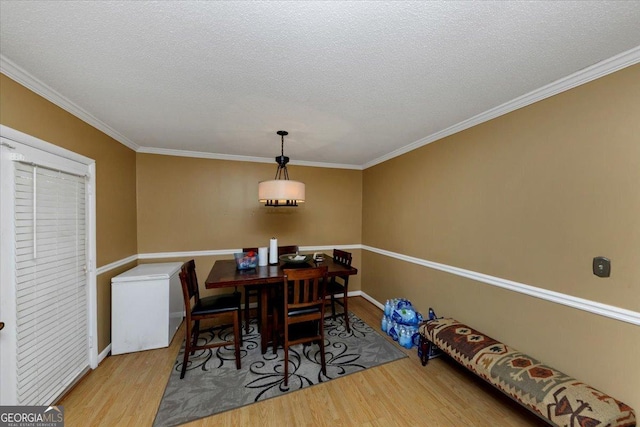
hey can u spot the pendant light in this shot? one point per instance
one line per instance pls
(281, 191)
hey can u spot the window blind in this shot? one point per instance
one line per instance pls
(52, 346)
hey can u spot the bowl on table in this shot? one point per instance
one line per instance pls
(295, 258)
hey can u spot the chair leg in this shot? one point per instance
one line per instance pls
(285, 345)
(345, 306)
(240, 338)
(246, 310)
(196, 333)
(187, 350)
(321, 343)
(259, 308)
(333, 306)
(275, 333)
(237, 333)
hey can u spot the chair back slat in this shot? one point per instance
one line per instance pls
(306, 286)
(295, 289)
(314, 291)
(342, 257)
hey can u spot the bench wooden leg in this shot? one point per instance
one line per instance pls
(425, 349)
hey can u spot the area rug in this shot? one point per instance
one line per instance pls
(212, 383)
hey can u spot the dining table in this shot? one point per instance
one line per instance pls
(225, 273)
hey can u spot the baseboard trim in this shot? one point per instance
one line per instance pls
(368, 298)
(103, 355)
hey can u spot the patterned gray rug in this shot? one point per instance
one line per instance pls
(212, 383)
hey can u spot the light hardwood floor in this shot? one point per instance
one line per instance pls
(125, 390)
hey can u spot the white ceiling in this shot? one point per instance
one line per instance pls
(354, 83)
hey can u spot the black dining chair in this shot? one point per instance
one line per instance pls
(298, 317)
(339, 285)
(254, 291)
(206, 308)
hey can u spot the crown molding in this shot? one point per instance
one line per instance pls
(237, 158)
(581, 77)
(11, 70)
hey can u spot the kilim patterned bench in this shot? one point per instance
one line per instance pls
(555, 397)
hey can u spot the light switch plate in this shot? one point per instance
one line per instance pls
(601, 266)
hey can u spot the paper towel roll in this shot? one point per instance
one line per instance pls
(263, 256)
(273, 251)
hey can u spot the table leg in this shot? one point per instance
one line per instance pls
(264, 320)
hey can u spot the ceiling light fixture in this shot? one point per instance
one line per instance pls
(281, 191)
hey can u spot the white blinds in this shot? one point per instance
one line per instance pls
(51, 282)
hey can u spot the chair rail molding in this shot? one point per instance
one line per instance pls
(606, 310)
(594, 307)
(217, 252)
(116, 264)
(213, 252)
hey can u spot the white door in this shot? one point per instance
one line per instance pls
(47, 273)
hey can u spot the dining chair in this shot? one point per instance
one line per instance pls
(254, 291)
(301, 311)
(339, 285)
(206, 308)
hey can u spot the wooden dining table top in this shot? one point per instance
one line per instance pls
(224, 272)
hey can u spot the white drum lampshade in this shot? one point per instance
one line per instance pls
(281, 192)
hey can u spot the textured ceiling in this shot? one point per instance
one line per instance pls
(350, 81)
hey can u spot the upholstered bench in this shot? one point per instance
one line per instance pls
(555, 397)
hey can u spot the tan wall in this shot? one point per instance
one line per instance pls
(189, 204)
(28, 112)
(531, 196)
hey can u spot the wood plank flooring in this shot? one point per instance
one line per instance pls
(125, 390)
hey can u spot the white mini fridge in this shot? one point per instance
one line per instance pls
(147, 307)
